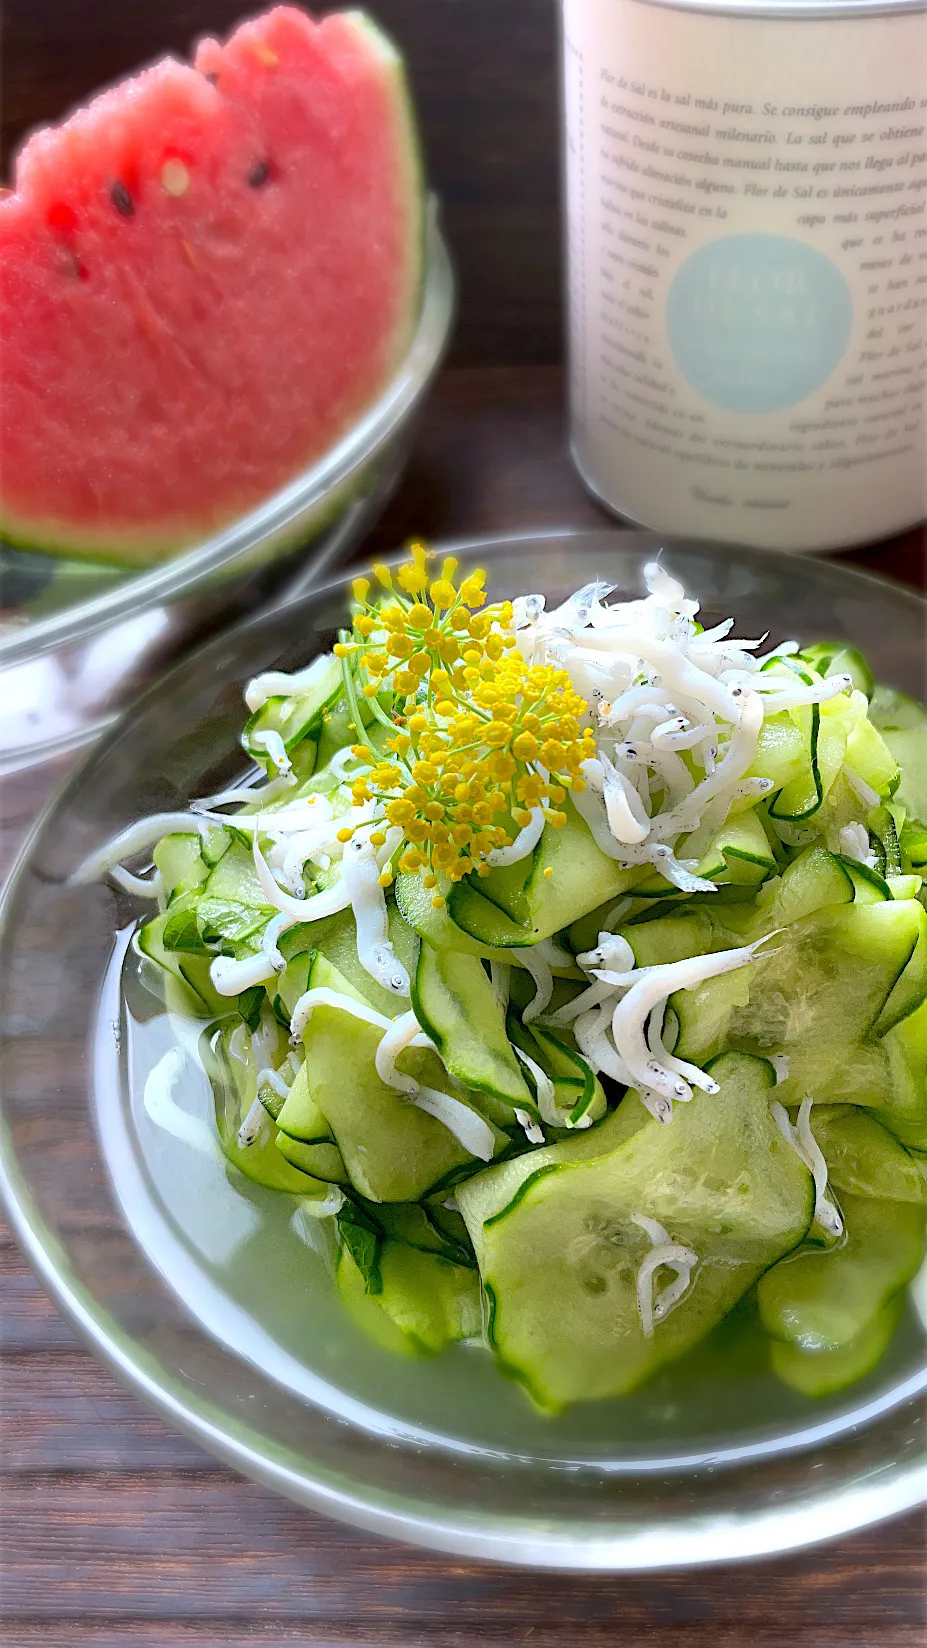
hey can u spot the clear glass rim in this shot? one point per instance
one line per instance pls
(173, 579)
(698, 1539)
(795, 10)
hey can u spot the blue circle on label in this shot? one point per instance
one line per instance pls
(757, 322)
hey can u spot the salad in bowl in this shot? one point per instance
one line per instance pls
(570, 967)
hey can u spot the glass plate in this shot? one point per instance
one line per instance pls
(212, 1297)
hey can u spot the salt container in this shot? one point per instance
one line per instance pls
(746, 204)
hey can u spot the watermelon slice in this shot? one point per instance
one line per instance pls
(205, 276)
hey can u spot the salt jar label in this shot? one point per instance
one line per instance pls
(757, 322)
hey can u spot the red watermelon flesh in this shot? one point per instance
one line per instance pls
(205, 276)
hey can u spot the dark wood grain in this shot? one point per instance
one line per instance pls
(74, 1418)
(484, 76)
(115, 1531)
(205, 1547)
(233, 1634)
(620, 1632)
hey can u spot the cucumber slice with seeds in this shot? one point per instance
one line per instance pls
(815, 996)
(720, 1179)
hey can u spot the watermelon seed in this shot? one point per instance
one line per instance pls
(175, 178)
(259, 173)
(122, 200)
(212, 77)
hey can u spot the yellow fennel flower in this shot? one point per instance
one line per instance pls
(477, 736)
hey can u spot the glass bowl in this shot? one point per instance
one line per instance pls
(78, 640)
(209, 1296)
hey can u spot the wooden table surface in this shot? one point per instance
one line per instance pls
(113, 1530)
